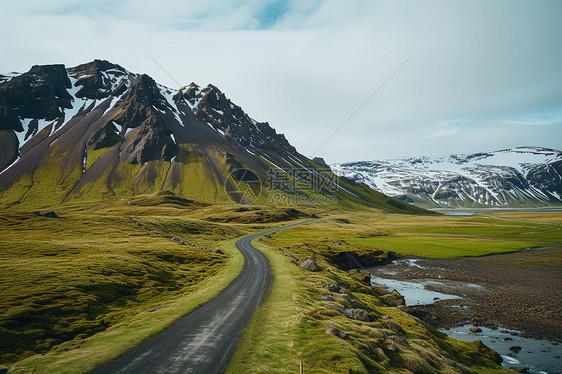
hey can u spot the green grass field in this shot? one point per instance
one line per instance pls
(78, 290)
(473, 236)
(435, 236)
(291, 325)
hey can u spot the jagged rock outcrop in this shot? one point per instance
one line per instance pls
(39, 93)
(142, 103)
(100, 79)
(320, 162)
(212, 107)
(105, 137)
(150, 142)
(142, 108)
(8, 148)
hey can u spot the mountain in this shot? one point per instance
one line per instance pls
(97, 131)
(518, 177)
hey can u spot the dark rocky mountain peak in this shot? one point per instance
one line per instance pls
(213, 107)
(141, 103)
(192, 93)
(100, 79)
(142, 108)
(40, 93)
(97, 131)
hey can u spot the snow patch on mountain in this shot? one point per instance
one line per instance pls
(518, 176)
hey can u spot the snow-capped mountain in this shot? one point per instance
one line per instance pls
(523, 176)
(97, 131)
(49, 97)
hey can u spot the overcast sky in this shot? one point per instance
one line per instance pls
(485, 75)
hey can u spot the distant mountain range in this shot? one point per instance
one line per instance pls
(518, 177)
(97, 131)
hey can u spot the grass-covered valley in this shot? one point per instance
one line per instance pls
(153, 224)
(310, 314)
(80, 289)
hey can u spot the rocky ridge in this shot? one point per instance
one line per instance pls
(97, 131)
(518, 177)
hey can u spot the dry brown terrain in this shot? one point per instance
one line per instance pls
(521, 290)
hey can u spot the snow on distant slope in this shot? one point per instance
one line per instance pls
(517, 177)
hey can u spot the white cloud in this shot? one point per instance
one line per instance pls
(485, 62)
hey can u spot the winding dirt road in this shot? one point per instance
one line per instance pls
(204, 340)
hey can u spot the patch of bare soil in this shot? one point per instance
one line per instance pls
(521, 291)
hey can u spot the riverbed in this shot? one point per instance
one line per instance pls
(518, 293)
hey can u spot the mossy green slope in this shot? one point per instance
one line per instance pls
(294, 322)
(67, 282)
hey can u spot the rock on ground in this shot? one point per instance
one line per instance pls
(310, 265)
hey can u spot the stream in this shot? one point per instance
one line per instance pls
(539, 356)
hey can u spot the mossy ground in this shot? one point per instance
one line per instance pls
(291, 325)
(79, 289)
(69, 283)
(437, 236)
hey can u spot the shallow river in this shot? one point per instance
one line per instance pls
(540, 356)
(537, 355)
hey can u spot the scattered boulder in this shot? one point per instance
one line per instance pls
(391, 325)
(475, 329)
(219, 251)
(523, 370)
(327, 298)
(47, 214)
(336, 332)
(554, 342)
(338, 307)
(515, 348)
(357, 314)
(310, 265)
(332, 287)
